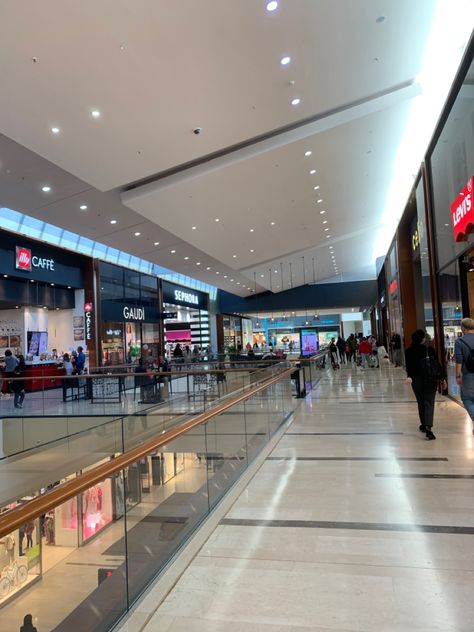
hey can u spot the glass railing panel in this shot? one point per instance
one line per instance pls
(257, 426)
(172, 484)
(226, 450)
(70, 565)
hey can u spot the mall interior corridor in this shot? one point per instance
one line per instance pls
(353, 522)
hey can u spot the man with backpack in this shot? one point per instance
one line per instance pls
(464, 354)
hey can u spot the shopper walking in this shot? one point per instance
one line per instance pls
(396, 346)
(28, 624)
(365, 349)
(464, 355)
(425, 373)
(18, 385)
(341, 347)
(352, 344)
(80, 361)
(10, 366)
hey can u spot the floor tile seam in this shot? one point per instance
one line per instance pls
(335, 563)
(334, 525)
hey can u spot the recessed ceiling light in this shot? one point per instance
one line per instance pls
(172, 251)
(217, 272)
(308, 153)
(208, 268)
(198, 263)
(83, 207)
(320, 200)
(5, 276)
(276, 271)
(232, 280)
(95, 113)
(316, 187)
(272, 5)
(326, 229)
(325, 221)
(217, 219)
(238, 282)
(446, 224)
(17, 307)
(312, 172)
(32, 280)
(262, 276)
(252, 230)
(55, 130)
(45, 307)
(272, 223)
(68, 287)
(252, 250)
(234, 256)
(156, 243)
(285, 61)
(45, 188)
(296, 101)
(113, 221)
(328, 236)
(322, 212)
(225, 276)
(137, 234)
(193, 227)
(52, 284)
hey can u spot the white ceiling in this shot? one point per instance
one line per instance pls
(155, 70)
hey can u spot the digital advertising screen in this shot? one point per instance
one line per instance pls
(309, 341)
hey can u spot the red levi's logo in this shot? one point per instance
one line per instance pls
(462, 212)
(23, 259)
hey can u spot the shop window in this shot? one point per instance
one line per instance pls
(452, 164)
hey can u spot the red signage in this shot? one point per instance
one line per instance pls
(88, 319)
(462, 213)
(23, 259)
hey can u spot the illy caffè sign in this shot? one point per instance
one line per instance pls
(25, 261)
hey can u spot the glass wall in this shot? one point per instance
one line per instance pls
(102, 549)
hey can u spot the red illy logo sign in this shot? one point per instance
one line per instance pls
(23, 258)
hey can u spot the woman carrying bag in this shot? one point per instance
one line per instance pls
(425, 374)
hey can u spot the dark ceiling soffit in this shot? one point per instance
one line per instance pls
(322, 296)
(262, 137)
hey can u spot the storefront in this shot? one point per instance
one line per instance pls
(130, 316)
(42, 298)
(186, 318)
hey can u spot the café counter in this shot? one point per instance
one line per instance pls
(47, 374)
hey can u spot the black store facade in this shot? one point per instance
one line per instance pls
(130, 315)
(43, 291)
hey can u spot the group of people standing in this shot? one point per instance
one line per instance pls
(361, 350)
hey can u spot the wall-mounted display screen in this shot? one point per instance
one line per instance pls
(309, 341)
(325, 337)
(37, 342)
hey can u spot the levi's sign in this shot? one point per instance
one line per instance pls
(186, 297)
(24, 260)
(462, 212)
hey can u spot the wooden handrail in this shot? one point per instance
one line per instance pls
(14, 518)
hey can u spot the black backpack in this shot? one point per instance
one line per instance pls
(470, 358)
(431, 368)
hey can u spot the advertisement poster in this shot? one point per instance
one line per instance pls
(78, 321)
(309, 341)
(325, 337)
(78, 334)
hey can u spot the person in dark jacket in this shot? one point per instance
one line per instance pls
(18, 385)
(423, 387)
(341, 347)
(28, 624)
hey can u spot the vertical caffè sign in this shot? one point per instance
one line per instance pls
(88, 314)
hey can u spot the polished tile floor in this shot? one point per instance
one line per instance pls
(354, 523)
